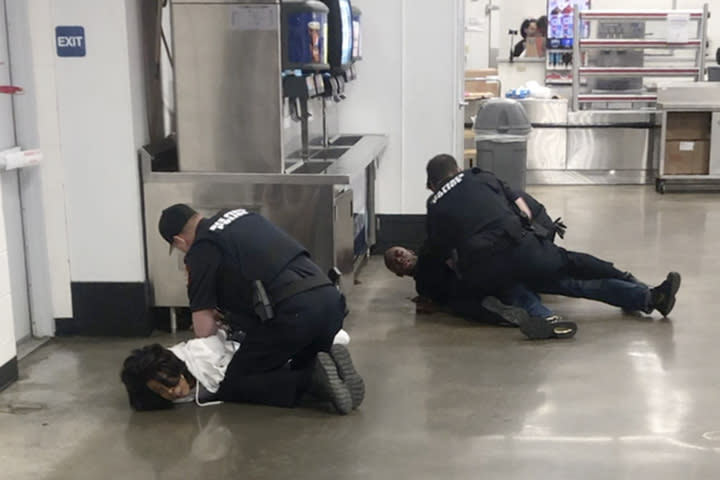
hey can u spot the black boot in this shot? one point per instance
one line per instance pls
(348, 374)
(327, 384)
(662, 297)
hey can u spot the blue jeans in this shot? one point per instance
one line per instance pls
(522, 297)
(620, 293)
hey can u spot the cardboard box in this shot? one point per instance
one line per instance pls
(482, 87)
(687, 157)
(688, 125)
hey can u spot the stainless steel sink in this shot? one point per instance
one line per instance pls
(347, 140)
(329, 154)
(297, 155)
(312, 167)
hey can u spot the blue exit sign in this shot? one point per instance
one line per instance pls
(70, 41)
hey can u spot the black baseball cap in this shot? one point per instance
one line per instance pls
(173, 220)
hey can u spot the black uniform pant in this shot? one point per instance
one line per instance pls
(532, 261)
(274, 363)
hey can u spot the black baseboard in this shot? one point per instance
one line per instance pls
(115, 309)
(8, 373)
(405, 230)
(161, 319)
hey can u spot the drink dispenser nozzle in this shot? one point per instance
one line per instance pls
(341, 88)
(298, 89)
(332, 88)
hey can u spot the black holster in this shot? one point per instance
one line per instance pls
(261, 302)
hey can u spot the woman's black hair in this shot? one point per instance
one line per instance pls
(152, 362)
(524, 26)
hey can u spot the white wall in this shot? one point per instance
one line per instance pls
(82, 205)
(30, 32)
(477, 30)
(375, 101)
(406, 89)
(7, 139)
(430, 91)
(7, 327)
(99, 137)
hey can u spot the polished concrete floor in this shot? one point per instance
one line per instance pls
(629, 398)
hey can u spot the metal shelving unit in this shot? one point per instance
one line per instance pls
(635, 99)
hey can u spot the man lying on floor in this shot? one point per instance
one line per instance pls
(156, 377)
(476, 221)
(438, 285)
(438, 288)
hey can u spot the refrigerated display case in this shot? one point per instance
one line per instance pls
(560, 35)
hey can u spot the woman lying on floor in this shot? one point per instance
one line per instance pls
(156, 377)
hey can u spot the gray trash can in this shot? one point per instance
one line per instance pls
(501, 132)
(713, 73)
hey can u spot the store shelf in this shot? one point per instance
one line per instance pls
(621, 43)
(636, 14)
(599, 97)
(633, 65)
(638, 72)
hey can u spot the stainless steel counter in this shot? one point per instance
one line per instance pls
(588, 147)
(547, 143)
(328, 171)
(346, 155)
(319, 209)
(689, 96)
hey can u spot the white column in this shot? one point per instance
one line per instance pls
(31, 43)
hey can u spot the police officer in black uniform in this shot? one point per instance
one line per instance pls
(266, 285)
(436, 282)
(478, 221)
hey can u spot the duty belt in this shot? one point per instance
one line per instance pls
(264, 304)
(303, 285)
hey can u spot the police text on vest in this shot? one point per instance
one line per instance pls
(227, 219)
(446, 188)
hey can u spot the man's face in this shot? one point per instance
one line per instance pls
(400, 261)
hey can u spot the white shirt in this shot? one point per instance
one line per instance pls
(207, 358)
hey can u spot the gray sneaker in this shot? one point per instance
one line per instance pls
(348, 374)
(509, 314)
(326, 379)
(537, 328)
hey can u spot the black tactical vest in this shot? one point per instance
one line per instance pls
(257, 249)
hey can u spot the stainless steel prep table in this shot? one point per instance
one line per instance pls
(588, 147)
(319, 209)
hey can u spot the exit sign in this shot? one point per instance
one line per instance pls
(70, 41)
